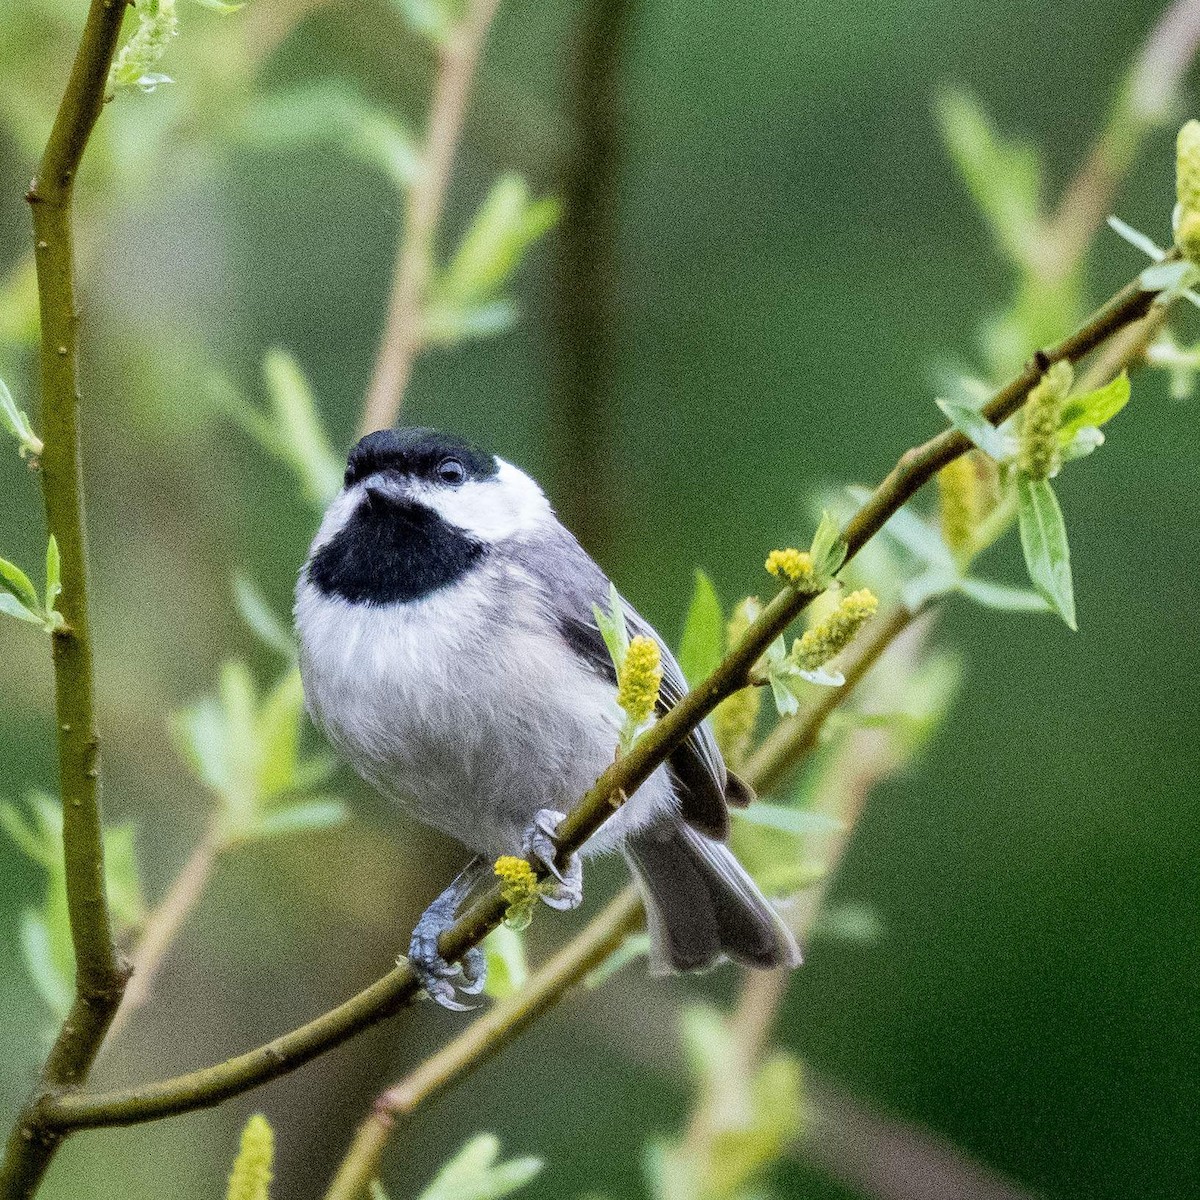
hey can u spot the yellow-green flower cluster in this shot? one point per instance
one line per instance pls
(639, 680)
(736, 717)
(1187, 190)
(1038, 454)
(250, 1178)
(832, 635)
(968, 491)
(519, 889)
(794, 567)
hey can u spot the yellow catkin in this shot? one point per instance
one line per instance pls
(736, 717)
(794, 567)
(1038, 455)
(639, 680)
(518, 883)
(250, 1178)
(819, 644)
(968, 491)
(1187, 190)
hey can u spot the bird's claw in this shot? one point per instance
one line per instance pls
(539, 846)
(443, 980)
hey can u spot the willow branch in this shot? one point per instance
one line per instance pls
(403, 335)
(202, 1089)
(99, 972)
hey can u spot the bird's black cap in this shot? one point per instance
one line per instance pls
(417, 452)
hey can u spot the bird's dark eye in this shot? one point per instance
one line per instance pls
(450, 470)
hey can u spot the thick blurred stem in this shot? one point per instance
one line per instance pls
(99, 973)
(403, 334)
(586, 278)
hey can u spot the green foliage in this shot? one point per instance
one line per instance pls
(434, 20)
(261, 619)
(466, 298)
(751, 1112)
(133, 66)
(46, 930)
(1044, 543)
(507, 967)
(1002, 174)
(20, 599)
(982, 434)
(333, 113)
(17, 422)
(612, 627)
(1093, 409)
(292, 431)
(703, 642)
(246, 750)
(828, 550)
(475, 1174)
(251, 1176)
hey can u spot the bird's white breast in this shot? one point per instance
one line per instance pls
(466, 706)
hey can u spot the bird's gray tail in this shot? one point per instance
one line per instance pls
(701, 906)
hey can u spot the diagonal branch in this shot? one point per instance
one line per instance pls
(207, 1087)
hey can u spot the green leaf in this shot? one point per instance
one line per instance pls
(253, 608)
(1001, 597)
(444, 324)
(612, 627)
(220, 6)
(507, 968)
(11, 606)
(277, 737)
(32, 841)
(300, 431)
(121, 872)
(703, 642)
(17, 423)
(37, 948)
(201, 737)
(431, 19)
(1002, 175)
(798, 821)
(335, 114)
(1044, 541)
(53, 573)
(304, 816)
(827, 551)
(1093, 408)
(974, 426)
(1136, 238)
(507, 223)
(18, 583)
(474, 1174)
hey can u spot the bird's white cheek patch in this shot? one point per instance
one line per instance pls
(493, 509)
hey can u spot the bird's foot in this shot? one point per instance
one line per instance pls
(538, 845)
(441, 979)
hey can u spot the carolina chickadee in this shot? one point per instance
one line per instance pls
(449, 651)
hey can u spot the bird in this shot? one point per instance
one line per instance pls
(450, 651)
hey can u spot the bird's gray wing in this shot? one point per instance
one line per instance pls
(572, 583)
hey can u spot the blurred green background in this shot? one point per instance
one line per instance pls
(795, 257)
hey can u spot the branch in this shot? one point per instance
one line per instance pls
(99, 973)
(404, 333)
(202, 1089)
